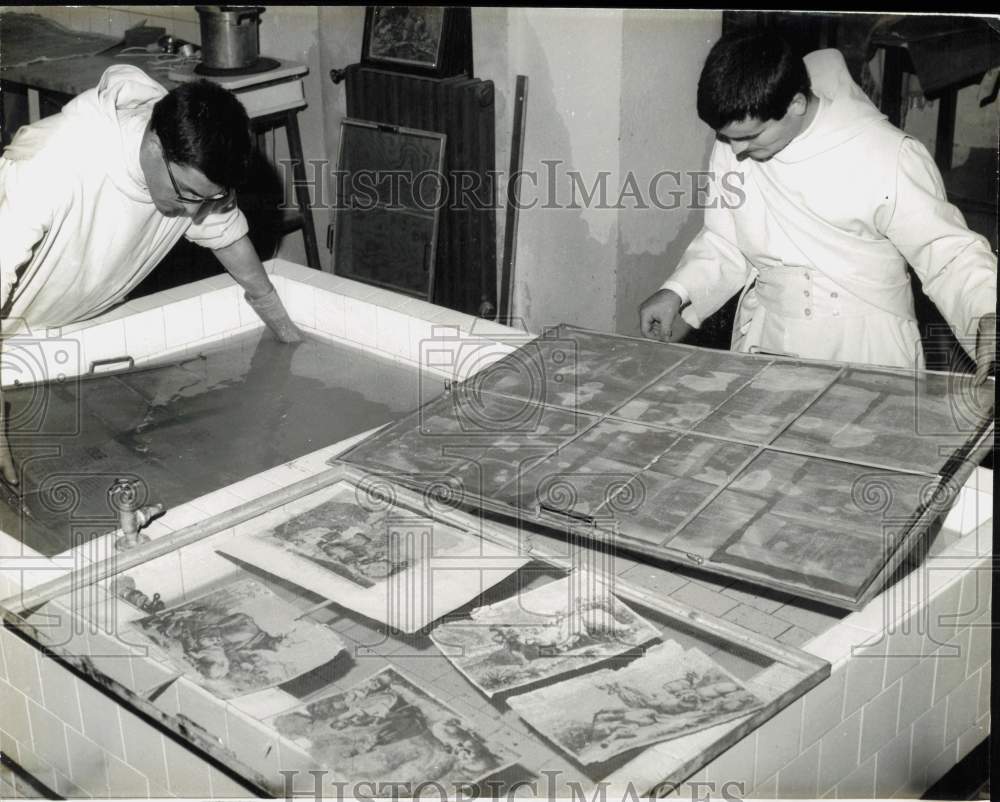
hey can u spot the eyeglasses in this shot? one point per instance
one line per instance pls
(218, 196)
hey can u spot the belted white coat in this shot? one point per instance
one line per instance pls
(818, 238)
(78, 228)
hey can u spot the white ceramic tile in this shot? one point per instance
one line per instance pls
(800, 778)
(100, 720)
(734, 768)
(893, 768)
(252, 743)
(187, 774)
(904, 649)
(962, 709)
(916, 690)
(88, 763)
(360, 322)
(48, 736)
(220, 311)
(8, 744)
(300, 301)
(864, 682)
(980, 642)
(859, 784)
(59, 687)
(22, 666)
(985, 687)
(971, 738)
(225, 788)
(878, 721)
(330, 314)
(125, 781)
(839, 751)
(145, 334)
(951, 662)
(823, 706)
(944, 605)
(202, 708)
(144, 748)
(392, 333)
(778, 740)
(104, 341)
(183, 322)
(941, 765)
(767, 789)
(835, 644)
(927, 737)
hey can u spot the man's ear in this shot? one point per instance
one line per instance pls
(798, 106)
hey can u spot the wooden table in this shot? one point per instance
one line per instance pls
(272, 100)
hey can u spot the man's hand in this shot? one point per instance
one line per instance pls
(986, 348)
(660, 319)
(270, 309)
(242, 263)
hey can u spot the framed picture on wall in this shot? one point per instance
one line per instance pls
(427, 40)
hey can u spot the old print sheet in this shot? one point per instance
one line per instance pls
(665, 694)
(381, 560)
(563, 626)
(238, 639)
(387, 730)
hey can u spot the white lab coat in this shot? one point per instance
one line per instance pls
(78, 228)
(820, 239)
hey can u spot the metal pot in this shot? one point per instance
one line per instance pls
(229, 36)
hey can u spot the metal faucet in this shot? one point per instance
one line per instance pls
(123, 497)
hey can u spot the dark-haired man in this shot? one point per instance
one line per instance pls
(92, 198)
(833, 203)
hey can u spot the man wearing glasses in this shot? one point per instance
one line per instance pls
(93, 198)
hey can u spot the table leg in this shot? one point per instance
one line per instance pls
(945, 138)
(302, 188)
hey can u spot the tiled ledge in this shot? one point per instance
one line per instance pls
(387, 324)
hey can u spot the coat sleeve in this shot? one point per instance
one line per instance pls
(713, 268)
(956, 267)
(219, 229)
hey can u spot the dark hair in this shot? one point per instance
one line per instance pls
(749, 75)
(204, 126)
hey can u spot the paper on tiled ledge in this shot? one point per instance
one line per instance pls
(445, 582)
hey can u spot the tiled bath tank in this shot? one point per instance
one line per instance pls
(909, 692)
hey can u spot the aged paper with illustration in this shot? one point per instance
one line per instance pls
(665, 694)
(563, 626)
(239, 639)
(387, 730)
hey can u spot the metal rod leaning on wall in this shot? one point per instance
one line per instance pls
(117, 563)
(513, 202)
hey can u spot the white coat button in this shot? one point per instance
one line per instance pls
(806, 275)
(809, 312)
(834, 295)
(806, 293)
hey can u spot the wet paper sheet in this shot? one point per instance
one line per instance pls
(238, 639)
(569, 624)
(667, 693)
(387, 563)
(389, 732)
